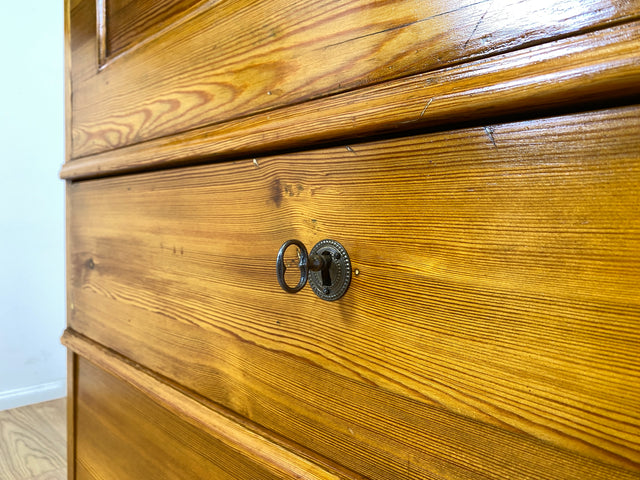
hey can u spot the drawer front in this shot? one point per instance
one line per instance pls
(491, 327)
(151, 69)
(121, 434)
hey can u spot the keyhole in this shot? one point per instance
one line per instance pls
(326, 274)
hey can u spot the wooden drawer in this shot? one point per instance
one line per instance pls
(491, 328)
(146, 70)
(121, 432)
(114, 420)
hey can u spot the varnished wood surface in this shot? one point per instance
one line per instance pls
(127, 23)
(491, 331)
(123, 434)
(230, 59)
(33, 442)
(277, 455)
(567, 73)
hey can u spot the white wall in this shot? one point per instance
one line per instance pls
(32, 293)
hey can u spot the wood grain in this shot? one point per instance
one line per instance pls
(498, 287)
(127, 23)
(33, 442)
(235, 58)
(440, 431)
(124, 434)
(280, 456)
(567, 73)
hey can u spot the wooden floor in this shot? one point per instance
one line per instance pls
(33, 442)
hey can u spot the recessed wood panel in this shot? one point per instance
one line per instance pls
(127, 22)
(236, 58)
(497, 291)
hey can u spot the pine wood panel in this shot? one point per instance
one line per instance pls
(230, 59)
(497, 291)
(280, 456)
(33, 442)
(122, 434)
(128, 22)
(435, 453)
(603, 65)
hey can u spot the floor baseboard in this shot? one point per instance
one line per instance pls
(33, 394)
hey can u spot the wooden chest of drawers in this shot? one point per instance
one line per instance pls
(479, 162)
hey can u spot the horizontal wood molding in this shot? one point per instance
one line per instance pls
(569, 73)
(273, 457)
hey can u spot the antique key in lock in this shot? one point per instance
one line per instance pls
(327, 268)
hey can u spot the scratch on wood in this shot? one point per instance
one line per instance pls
(489, 132)
(386, 30)
(405, 25)
(426, 106)
(475, 28)
(255, 163)
(349, 149)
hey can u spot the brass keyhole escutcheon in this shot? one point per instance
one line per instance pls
(327, 267)
(332, 281)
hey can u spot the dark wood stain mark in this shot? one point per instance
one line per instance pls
(276, 192)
